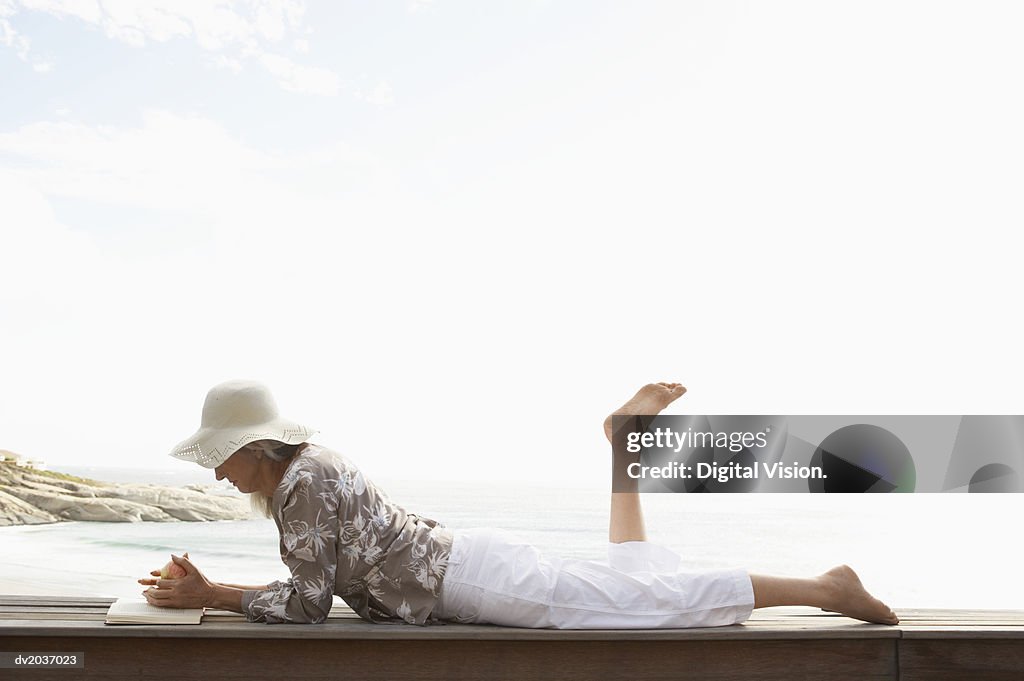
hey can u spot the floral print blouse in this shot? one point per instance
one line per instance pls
(341, 535)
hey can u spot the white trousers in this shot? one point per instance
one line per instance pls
(493, 577)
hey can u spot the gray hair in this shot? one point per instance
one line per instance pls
(276, 451)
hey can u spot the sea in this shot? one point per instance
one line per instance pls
(911, 550)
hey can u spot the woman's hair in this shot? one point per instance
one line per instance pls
(278, 451)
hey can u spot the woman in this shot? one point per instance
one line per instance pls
(340, 534)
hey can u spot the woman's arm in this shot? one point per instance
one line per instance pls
(262, 587)
(227, 597)
(309, 541)
(243, 587)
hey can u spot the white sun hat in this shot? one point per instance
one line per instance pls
(235, 414)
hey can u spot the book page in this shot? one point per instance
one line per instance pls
(138, 611)
(215, 613)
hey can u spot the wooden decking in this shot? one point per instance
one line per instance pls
(777, 643)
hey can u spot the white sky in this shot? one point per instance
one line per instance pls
(454, 235)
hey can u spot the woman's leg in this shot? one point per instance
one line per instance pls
(838, 590)
(626, 517)
(498, 578)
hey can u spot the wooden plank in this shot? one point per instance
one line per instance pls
(955, 660)
(951, 633)
(773, 623)
(14, 610)
(344, 629)
(17, 599)
(158, 659)
(59, 617)
(948, 612)
(784, 612)
(776, 643)
(961, 616)
(787, 616)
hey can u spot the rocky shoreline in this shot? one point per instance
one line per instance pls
(33, 497)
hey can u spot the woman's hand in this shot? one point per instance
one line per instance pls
(168, 571)
(191, 591)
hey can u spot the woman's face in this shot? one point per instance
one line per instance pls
(240, 469)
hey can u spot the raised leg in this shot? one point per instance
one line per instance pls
(838, 590)
(626, 517)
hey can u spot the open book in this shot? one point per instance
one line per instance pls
(138, 611)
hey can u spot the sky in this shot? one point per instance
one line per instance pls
(453, 236)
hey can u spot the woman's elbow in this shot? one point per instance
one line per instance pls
(315, 613)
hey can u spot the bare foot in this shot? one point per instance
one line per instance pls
(846, 595)
(648, 401)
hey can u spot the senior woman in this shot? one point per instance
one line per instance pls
(341, 535)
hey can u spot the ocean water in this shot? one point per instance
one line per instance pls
(914, 550)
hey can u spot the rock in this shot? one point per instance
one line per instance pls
(14, 511)
(89, 508)
(44, 486)
(185, 504)
(31, 497)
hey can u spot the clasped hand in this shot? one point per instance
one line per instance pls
(192, 590)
